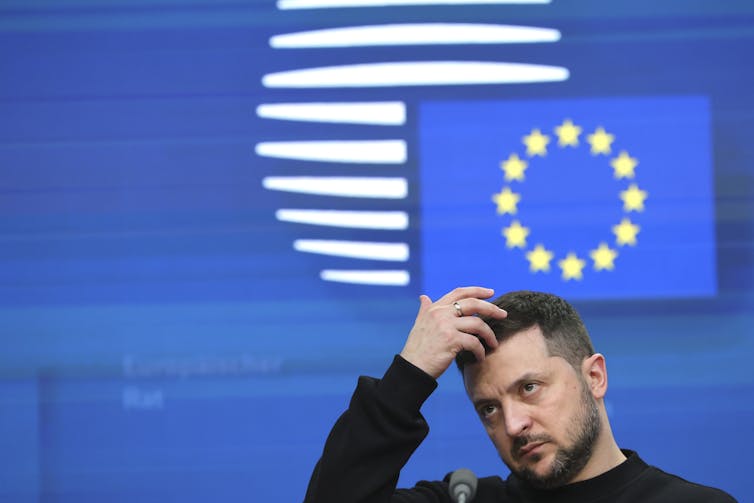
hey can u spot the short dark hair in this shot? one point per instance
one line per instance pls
(562, 327)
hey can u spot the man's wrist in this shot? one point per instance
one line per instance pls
(407, 384)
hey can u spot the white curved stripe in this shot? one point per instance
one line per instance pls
(386, 113)
(420, 73)
(367, 187)
(415, 34)
(383, 220)
(328, 4)
(396, 252)
(345, 151)
(386, 278)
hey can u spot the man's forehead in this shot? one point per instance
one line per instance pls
(529, 341)
(523, 352)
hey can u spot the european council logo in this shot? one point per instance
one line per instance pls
(587, 198)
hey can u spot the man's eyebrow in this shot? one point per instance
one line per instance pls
(482, 401)
(512, 388)
(525, 378)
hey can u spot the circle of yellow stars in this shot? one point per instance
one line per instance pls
(624, 168)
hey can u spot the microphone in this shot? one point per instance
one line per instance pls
(462, 485)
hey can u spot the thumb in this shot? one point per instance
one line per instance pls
(424, 303)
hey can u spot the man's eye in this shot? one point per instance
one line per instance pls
(529, 388)
(487, 410)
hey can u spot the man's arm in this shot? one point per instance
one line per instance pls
(374, 438)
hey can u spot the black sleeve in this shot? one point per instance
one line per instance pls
(373, 439)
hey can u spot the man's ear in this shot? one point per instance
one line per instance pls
(594, 372)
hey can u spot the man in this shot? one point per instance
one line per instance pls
(537, 385)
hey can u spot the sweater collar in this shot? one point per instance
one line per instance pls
(586, 490)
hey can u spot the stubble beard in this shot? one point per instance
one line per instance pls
(569, 461)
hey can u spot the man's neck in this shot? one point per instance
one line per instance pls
(606, 455)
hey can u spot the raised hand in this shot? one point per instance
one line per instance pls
(448, 326)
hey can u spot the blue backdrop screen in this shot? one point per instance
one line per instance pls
(214, 216)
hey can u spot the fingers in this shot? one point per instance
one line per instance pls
(466, 292)
(471, 343)
(471, 301)
(472, 306)
(478, 329)
(442, 330)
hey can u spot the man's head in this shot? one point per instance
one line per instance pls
(564, 332)
(539, 393)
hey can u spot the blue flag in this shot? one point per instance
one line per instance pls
(586, 198)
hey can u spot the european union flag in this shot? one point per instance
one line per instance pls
(587, 198)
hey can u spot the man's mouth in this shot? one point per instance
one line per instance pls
(529, 449)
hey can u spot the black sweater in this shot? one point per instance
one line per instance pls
(382, 427)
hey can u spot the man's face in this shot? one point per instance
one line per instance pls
(536, 408)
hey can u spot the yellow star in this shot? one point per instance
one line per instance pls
(506, 201)
(603, 257)
(625, 232)
(633, 198)
(515, 235)
(623, 165)
(514, 168)
(568, 134)
(600, 141)
(571, 266)
(536, 143)
(539, 259)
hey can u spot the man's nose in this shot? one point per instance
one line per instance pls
(517, 419)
